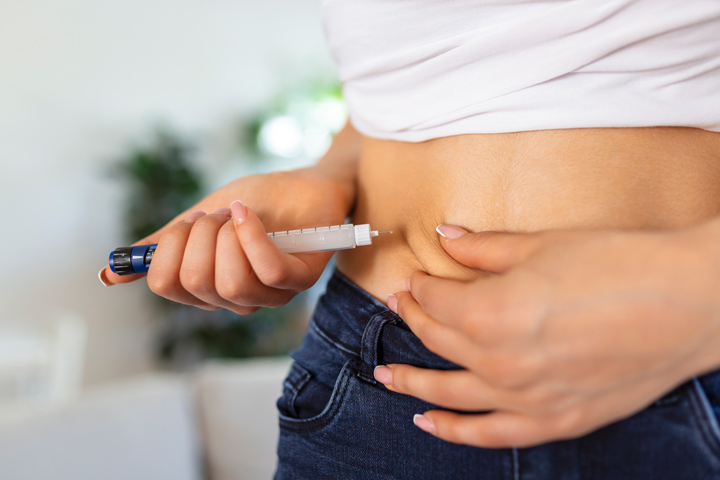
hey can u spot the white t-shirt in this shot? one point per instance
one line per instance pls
(413, 70)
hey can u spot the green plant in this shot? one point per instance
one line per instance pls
(162, 183)
(196, 334)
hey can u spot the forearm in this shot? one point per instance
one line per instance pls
(341, 160)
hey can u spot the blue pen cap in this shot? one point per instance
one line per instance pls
(131, 260)
(138, 258)
(111, 262)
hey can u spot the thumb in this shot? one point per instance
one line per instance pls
(493, 252)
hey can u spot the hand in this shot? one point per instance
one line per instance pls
(211, 261)
(569, 332)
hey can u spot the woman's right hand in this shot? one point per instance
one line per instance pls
(214, 261)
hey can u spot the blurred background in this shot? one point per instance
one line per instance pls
(114, 117)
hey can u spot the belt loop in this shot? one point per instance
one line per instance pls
(370, 343)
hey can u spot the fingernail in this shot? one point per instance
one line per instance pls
(424, 423)
(392, 303)
(222, 211)
(194, 216)
(103, 279)
(450, 231)
(407, 283)
(383, 374)
(239, 212)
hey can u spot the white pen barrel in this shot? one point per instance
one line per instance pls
(336, 237)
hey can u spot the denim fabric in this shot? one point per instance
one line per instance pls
(337, 422)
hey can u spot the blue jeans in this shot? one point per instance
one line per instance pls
(337, 422)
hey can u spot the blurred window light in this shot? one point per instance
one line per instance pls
(316, 141)
(329, 113)
(281, 136)
(304, 123)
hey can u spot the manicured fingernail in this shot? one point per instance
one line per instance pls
(222, 211)
(424, 423)
(450, 231)
(103, 278)
(407, 283)
(383, 374)
(392, 302)
(239, 212)
(194, 216)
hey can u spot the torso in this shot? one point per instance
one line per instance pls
(640, 178)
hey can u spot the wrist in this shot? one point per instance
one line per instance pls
(707, 240)
(703, 244)
(711, 240)
(336, 179)
(711, 233)
(339, 165)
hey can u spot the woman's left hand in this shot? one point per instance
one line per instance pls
(569, 332)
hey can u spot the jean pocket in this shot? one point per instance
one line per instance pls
(297, 379)
(308, 405)
(707, 393)
(710, 385)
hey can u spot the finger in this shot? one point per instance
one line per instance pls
(501, 429)
(197, 272)
(108, 277)
(273, 267)
(450, 301)
(235, 279)
(437, 337)
(455, 389)
(164, 274)
(489, 251)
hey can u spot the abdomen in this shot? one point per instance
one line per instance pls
(643, 178)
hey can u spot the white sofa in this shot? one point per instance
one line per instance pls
(217, 423)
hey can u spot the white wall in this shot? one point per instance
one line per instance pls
(79, 81)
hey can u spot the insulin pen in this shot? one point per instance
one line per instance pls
(134, 260)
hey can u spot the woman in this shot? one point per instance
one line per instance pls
(494, 117)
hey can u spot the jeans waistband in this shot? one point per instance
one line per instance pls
(354, 321)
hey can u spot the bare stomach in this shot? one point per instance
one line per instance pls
(640, 178)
